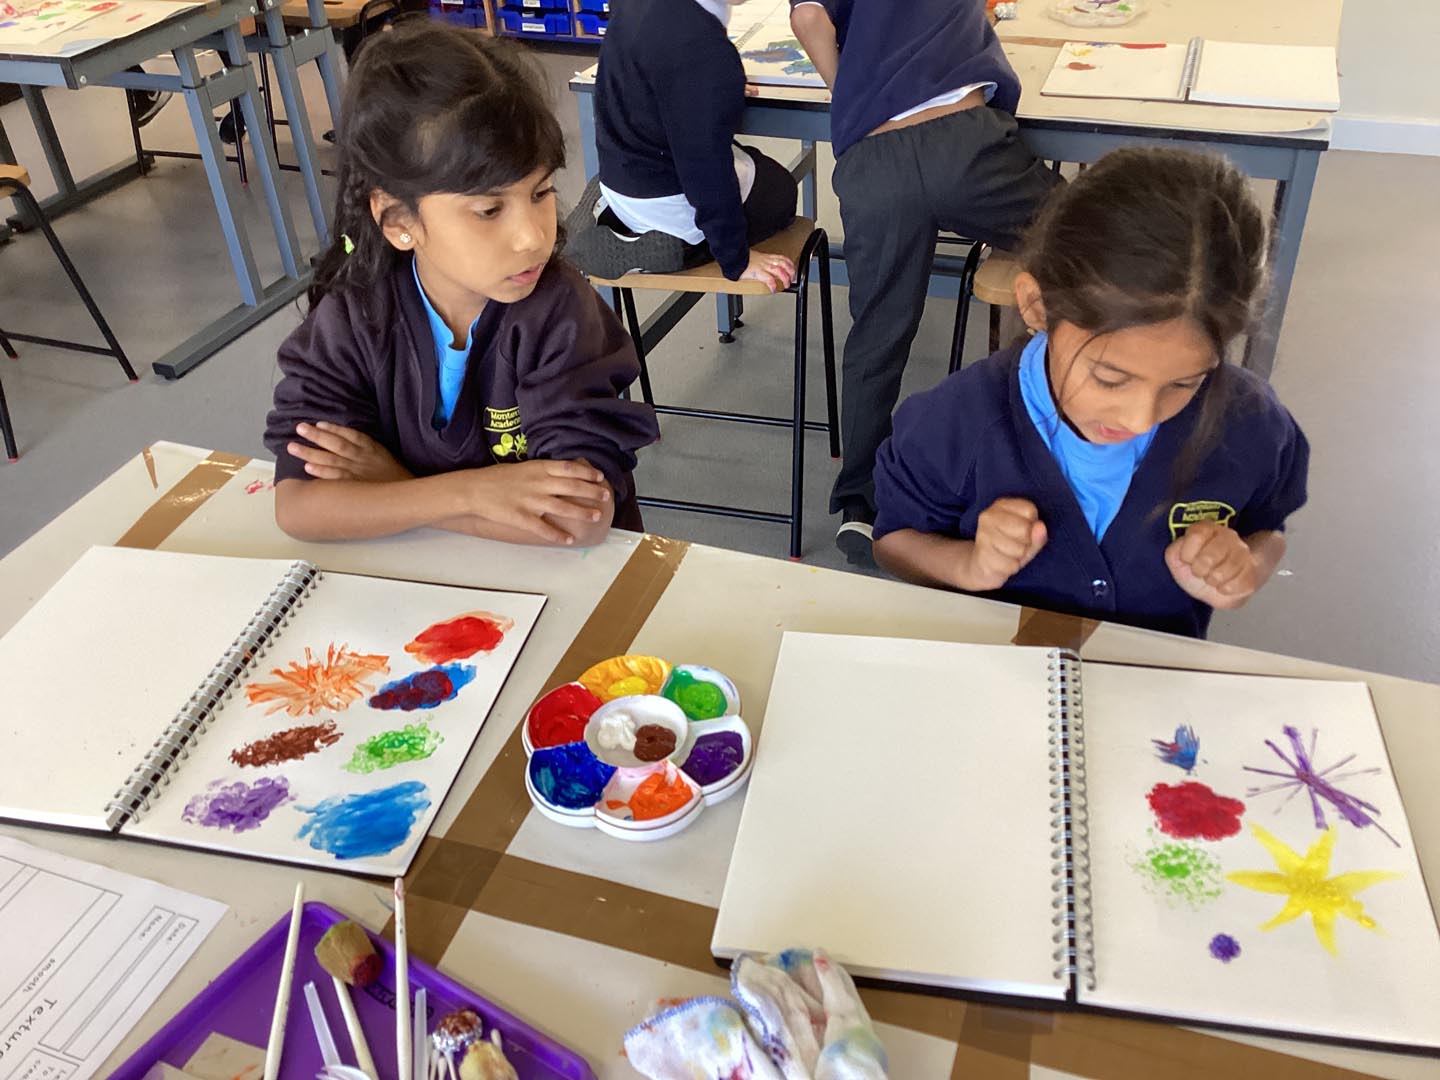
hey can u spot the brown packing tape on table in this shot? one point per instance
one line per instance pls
(168, 513)
(1037, 627)
(148, 456)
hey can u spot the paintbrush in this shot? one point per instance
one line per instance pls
(282, 992)
(403, 1062)
(347, 953)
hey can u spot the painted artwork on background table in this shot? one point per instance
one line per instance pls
(30, 22)
(773, 56)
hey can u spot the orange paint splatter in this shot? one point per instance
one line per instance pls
(334, 683)
(659, 795)
(462, 636)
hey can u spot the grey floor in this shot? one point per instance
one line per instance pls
(1361, 583)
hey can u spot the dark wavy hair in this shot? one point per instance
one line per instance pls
(429, 108)
(1147, 235)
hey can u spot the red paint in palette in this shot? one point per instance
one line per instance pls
(1191, 811)
(455, 639)
(560, 716)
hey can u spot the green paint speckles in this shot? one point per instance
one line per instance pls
(413, 742)
(698, 699)
(1180, 871)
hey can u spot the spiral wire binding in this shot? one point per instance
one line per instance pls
(1073, 919)
(164, 756)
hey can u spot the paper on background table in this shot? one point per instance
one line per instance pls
(1100, 70)
(898, 814)
(1152, 953)
(86, 951)
(1268, 76)
(129, 17)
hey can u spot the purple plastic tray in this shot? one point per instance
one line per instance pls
(240, 1000)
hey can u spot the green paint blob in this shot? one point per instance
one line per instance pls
(699, 700)
(1181, 871)
(413, 742)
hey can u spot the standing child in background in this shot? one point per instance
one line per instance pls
(452, 372)
(1115, 466)
(925, 139)
(678, 189)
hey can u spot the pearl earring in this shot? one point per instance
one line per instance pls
(405, 238)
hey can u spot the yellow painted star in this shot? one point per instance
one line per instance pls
(1309, 887)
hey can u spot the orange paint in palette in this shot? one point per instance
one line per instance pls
(660, 795)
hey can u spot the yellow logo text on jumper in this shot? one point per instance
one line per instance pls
(1183, 515)
(506, 438)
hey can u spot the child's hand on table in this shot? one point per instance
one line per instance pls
(1008, 535)
(550, 500)
(342, 453)
(1212, 563)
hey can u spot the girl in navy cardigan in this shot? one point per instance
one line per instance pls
(452, 372)
(1115, 466)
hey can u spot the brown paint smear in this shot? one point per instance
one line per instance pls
(289, 745)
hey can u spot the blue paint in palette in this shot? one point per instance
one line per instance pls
(569, 776)
(366, 823)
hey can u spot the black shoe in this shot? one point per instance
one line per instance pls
(604, 253)
(232, 127)
(855, 537)
(145, 105)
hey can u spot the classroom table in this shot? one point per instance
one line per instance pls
(100, 51)
(1282, 145)
(578, 933)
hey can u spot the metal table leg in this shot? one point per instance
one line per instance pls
(1292, 205)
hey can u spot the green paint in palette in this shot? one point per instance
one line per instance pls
(698, 699)
(413, 742)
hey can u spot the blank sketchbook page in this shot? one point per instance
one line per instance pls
(1269, 76)
(1115, 70)
(898, 814)
(358, 787)
(1174, 935)
(103, 661)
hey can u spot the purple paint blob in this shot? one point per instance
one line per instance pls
(1224, 948)
(238, 806)
(569, 776)
(424, 689)
(714, 757)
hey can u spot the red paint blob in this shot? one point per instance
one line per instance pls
(1191, 811)
(560, 716)
(457, 638)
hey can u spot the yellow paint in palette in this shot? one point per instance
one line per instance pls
(1308, 887)
(622, 676)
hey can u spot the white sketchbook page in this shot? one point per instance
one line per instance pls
(373, 616)
(87, 951)
(1152, 948)
(101, 664)
(898, 814)
(1269, 76)
(1111, 70)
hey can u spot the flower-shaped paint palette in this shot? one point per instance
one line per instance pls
(636, 747)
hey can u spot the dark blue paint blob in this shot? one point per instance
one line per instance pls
(367, 822)
(425, 689)
(1224, 948)
(569, 776)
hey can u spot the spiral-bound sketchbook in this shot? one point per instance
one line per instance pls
(250, 706)
(1218, 849)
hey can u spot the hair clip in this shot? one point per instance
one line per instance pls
(349, 244)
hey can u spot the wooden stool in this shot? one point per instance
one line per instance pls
(15, 183)
(992, 281)
(802, 242)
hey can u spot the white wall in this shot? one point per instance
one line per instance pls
(1389, 77)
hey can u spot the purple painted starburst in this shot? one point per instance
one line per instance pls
(1320, 784)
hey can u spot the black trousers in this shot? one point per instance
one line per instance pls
(965, 172)
(769, 208)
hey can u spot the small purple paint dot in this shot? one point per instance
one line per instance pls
(1224, 948)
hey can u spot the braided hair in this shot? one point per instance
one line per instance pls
(429, 108)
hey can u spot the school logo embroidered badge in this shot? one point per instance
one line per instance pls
(1183, 515)
(507, 441)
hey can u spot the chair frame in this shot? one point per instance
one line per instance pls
(816, 250)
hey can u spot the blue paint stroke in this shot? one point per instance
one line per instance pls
(424, 689)
(367, 822)
(1182, 750)
(569, 776)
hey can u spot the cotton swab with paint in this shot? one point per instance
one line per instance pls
(403, 1060)
(323, 1034)
(347, 953)
(282, 993)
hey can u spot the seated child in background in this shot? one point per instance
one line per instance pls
(678, 189)
(1115, 466)
(452, 372)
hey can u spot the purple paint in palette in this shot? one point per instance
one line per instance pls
(714, 757)
(237, 806)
